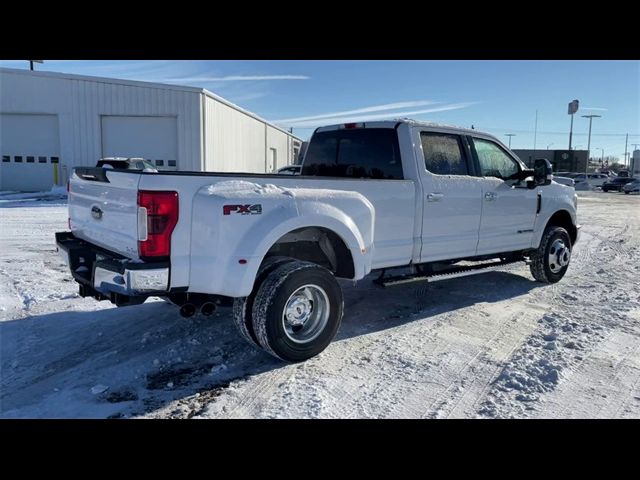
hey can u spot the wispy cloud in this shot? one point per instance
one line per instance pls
(239, 78)
(374, 108)
(595, 108)
(246, 97)
(326, 120)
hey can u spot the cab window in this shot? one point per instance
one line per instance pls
(443, 154)
(494, 161)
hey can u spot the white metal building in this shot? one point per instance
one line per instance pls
(52, 122)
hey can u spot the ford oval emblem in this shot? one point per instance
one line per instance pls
(96, 213)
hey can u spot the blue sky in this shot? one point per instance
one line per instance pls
(496, 96)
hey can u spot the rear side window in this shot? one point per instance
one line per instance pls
(354, 153)
(443, 154)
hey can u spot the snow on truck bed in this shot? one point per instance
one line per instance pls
(492, 345)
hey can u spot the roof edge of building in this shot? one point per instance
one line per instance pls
(140, 83)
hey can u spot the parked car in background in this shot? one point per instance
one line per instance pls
(593, 179)
(632, 187)
(616, 184)
(623, 173)
(569, 182)
(121, 163)
(290, 170)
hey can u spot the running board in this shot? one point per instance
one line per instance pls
(458, 272)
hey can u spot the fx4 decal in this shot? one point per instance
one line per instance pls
(242, 209)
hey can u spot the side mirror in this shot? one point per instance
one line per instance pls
(542, 172)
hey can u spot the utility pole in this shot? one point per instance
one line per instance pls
(535, 133)
(626, 142)
(590, 117)
(509, 135)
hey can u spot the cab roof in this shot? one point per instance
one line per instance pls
(409, 121)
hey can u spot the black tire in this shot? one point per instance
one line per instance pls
(278, 336)
(626, 193)
(541, 267)
(243, 306)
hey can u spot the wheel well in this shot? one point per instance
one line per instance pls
(562, 218)
(317, 245)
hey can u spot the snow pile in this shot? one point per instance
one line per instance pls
(244, 188)
(12, 199)
(539, 364)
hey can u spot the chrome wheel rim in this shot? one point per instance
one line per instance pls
(306, 314)
(559, 255)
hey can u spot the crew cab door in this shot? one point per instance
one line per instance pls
(452, 196)
(508, 209)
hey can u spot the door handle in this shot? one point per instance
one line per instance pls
(434, 197)
(490, 196)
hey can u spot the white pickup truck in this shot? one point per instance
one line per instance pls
(438, 201)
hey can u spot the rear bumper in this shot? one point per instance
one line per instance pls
(106, 275)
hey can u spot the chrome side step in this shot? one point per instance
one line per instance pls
(458, 272)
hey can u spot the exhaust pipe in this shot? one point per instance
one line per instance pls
(208, 308)
(188, 310)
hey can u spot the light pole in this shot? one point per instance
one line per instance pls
(510, 135)
(590, 117)
(549, 146)
(602, 158)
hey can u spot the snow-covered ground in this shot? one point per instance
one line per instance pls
(491, 345)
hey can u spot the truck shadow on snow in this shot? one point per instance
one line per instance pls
(137, 360)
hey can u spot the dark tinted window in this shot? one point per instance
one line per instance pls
(443, 154)
(171, 163)
(30, 159)
(354, 153)
(160, 163)
(17, 158)
(42, 159)
(6, 158)
(54, 159)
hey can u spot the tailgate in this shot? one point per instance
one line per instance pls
(103, 209)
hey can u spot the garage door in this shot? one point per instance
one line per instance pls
(153, 138)
(30, 148)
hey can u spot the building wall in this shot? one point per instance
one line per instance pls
(562, 160)
(79, 103)
(237, 142)
(98, 117)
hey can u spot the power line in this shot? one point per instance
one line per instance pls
(559, 133)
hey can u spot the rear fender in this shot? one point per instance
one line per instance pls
(227, 249)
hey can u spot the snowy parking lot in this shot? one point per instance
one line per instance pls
(491, 345)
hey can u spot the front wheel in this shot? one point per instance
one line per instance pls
(297, 311)
(550, 261)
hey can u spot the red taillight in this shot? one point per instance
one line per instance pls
(161, 218)
(350, 125)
